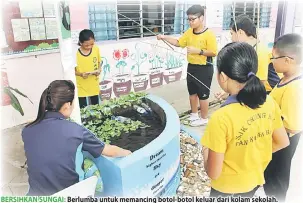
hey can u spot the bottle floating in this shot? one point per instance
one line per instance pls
(140, 110)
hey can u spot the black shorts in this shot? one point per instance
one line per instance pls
(203, 73)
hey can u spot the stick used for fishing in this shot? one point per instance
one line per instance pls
(169, 46)
(146, 29)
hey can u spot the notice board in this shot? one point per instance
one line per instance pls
(29, 26)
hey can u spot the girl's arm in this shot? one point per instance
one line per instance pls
(280, 139)
(83, 75)
(114, 151)
(213, 163)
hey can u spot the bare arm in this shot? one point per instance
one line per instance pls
(169, 39)
(213, 163)
(114, 151)
(280, 139)
(78, 73)
(208, 53)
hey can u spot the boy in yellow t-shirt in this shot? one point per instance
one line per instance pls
(286, 58)
(88, 69)
(242, 135)
(201, 47)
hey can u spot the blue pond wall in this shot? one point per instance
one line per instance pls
(153, 170)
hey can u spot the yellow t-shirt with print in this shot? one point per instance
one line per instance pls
(244, 135)
(203, 41)
(263, 61)
(290, 100)
(88, 63)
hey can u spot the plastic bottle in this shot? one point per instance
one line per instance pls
(146, 107)
(121, 119)
(140, 110)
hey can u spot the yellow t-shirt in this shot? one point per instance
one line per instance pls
(89, 86)
(263, 61)
(290, 99)
(244, 135)
(203, 41)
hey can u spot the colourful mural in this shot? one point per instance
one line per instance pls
(138, 67)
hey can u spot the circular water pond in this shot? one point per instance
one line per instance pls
(153, 167)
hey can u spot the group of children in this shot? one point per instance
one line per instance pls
(248, 142)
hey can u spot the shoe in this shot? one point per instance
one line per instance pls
(198, 122)
(193, 117)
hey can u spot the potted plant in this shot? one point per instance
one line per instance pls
(140, 80)
(8, 94)
(122, 81)
(156, 72)
(173, 71)
(106, 84)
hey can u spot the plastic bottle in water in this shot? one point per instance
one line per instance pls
(140, 110)
(146, 107)
(121, 119)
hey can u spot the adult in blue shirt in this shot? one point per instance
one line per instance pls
(53, 145)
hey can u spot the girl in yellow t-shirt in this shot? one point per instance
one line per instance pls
(242, 135)
(88, 69)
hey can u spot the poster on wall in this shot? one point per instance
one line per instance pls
(49, 10)
(51, 28)
(30, 9)
(20, 29)
(25, 28)
(37, 28)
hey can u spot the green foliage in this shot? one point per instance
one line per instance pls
(97, 118)
(14, 100)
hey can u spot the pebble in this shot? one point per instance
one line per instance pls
(194, 180)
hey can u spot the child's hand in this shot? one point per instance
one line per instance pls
(193, 50)
(221, 95)
(97, 72)
(84, 75)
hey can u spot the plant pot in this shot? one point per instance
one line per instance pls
(106, 88)
(156, 77)
(172, 75)
(122, 84)
(140, 82)
(5, 100)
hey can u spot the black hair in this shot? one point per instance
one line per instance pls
(195, 10)
(54, 97)
(244, 23)
(238, 61)
(290, 45)
(85, 35)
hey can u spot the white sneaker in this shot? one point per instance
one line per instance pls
(199, 122)
(193, 117)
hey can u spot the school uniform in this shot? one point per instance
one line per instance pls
(53, 149)
(198, 65)
(244, 135)
(88, 87)
(289, 98)
(263, 61)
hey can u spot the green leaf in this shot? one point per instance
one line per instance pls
(14, 101)
(17, 91)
